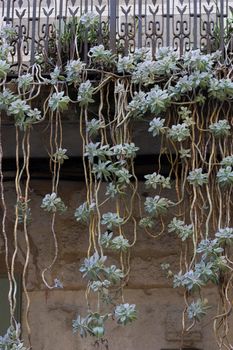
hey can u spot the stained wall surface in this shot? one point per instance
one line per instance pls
(51, 312)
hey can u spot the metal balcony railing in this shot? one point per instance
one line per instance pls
(123, 24)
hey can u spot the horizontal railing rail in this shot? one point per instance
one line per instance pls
(124, 25)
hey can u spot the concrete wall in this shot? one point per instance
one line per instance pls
(51, 313)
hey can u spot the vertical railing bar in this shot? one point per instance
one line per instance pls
(34, 6)
(112, 21)
(139, 23)
(39, 24)
(168, 23)
(145, 21)
(117, 22)
(3, 11)
(205, 33)
(60, 17)
(8, 12)
(221, 25)
(195, 24)
(59, 31)
(173, 23)
(86, 36)
(11, 18)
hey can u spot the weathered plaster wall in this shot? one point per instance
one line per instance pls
(52, 312)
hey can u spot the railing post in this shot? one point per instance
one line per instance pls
(139, 23)
(9, 5)
(112, 24)
(221, 25)
(60, 17)
(86, 36)
(195, 24)
(86, 5)
(32, 58)
(168, 24)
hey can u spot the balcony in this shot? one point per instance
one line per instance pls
(123, 26)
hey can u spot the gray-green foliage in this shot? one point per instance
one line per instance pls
(156, 180)
(83, 212)
(195, 61)
(112, 190)
(125, 150)
(85, 93)
(118, 243)
(100, 56)
(106, 239)
(197, 310)
(184, 113)
(111, 219)
(158, 100)
(8, 33)
(60, 155)
(225, 176)
(125, 64)
(125, 313)
(93, 126)
(209, 248)
(138, 105)
(19, 108)
(227, 161)
(220, 128)
(56, 75)
(123, 176)
(212, 261)
(4, 68)
(95, 150)
(103, 170)
(6, 99)
(93, 266)
(11, 340)
(156, 206)
(88, 26)
(179, 132)
(100, 286)
(147, 70)
(191, 280)
(144, 72)
(25, 81)
(58, 101)
(221, 89)
(225, 236)
(185, 153)
(23, 211)
(197, 178)
(23, 114)
(113, 274)
(92, 324)
(157, 126)
(52, 203)
(178, 226)
(147, 222)
(73, 70)
(94, 269)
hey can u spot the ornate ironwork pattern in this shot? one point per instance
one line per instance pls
(182, 24)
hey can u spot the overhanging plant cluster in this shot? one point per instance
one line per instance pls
(187, 103)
